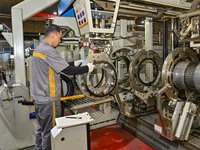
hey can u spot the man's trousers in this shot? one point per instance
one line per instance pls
(46, 114)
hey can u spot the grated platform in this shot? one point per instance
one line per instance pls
(85, 102)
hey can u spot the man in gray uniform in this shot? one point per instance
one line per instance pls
(46, 87)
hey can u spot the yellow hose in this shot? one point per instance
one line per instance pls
(72, 97)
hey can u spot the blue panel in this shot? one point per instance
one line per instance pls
(69, 13)
(32, 46)
(64, 6)
(7, 49)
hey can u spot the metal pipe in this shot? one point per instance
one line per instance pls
(131, 12)
(176, 24)
(138, 8)
(194, 5)
(156, 16)
(172, 34)
(149, 46)
(72, 97)
(171, 3)
(195, 13)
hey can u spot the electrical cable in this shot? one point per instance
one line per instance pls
(69, 84)
(70, 91)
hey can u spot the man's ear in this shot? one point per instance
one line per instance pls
(53, 36)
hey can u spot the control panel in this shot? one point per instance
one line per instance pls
(81, 17)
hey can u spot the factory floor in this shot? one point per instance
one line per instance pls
(114, 137)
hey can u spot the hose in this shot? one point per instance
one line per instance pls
(70, 91)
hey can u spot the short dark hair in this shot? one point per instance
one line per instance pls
(52, 29)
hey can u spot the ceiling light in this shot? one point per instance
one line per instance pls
(55, 13)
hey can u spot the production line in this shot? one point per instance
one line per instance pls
(145, 79)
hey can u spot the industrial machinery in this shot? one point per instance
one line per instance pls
(137, 86)
(188, 30)
(177, 101)
(96, 28)
(178, 93)
(128, 69)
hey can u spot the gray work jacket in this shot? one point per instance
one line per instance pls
(45, 80)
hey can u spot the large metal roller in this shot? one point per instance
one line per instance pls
(186, 75)
(178, 68)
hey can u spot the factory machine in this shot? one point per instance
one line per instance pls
(96, 27)
(155, 94)
(155, 99)
(177, 119)
(177, 100)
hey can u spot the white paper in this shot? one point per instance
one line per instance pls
(157, 128)
(16, 85)
(66, 121)
(55, 131)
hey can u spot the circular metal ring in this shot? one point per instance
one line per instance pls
(100, 81)
(135, 80)
(126, 59)
(123, 54)
(156, 74)
(98, 90)
(109, 83)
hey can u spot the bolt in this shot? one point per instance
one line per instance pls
(112, 73)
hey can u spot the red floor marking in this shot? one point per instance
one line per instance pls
(115, 138)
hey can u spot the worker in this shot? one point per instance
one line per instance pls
(46, 87)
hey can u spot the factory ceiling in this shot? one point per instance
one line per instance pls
(130, 8)
(32, 27)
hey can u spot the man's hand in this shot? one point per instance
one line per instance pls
(91, 67)
(77, 63)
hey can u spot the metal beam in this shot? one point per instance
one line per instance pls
(35, 6)
(149, 46)
(173, 3)
(20, 13)
(18, 39)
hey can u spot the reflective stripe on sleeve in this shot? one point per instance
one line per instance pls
(39, 55)
(52, 82)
